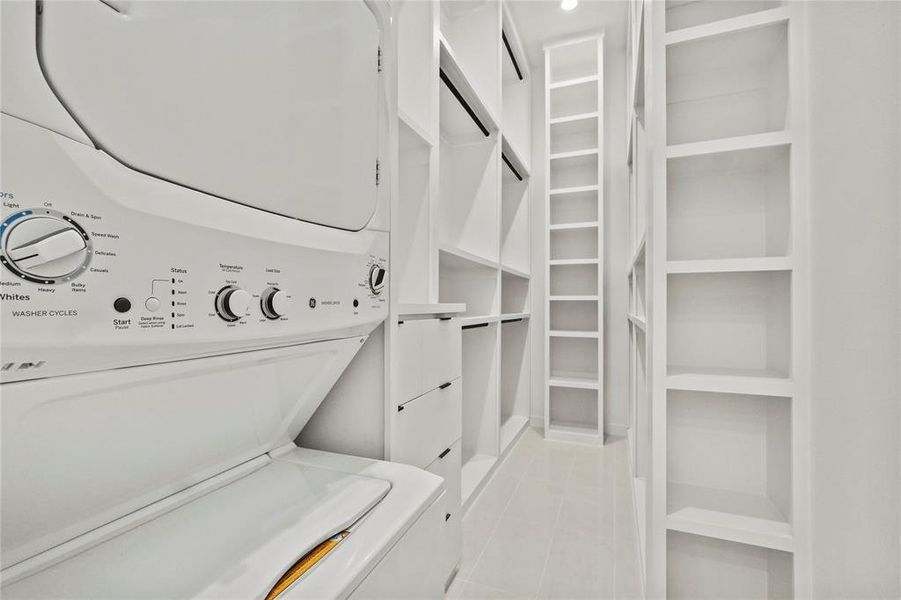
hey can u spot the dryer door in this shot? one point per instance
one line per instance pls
(271, 104)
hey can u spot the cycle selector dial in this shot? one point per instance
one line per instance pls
(232, 303)
(274, 303)
(44, 246)
(377, 279)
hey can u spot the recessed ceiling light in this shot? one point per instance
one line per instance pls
(568, 4)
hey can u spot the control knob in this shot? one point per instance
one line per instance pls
(232, 303)
(274, 303)
(376, 279)
(44, 246)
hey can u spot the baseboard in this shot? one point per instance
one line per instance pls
(617, 429)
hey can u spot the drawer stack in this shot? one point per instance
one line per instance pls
(427, 419)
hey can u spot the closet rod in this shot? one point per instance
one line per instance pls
(510, 166)
(462, 101)
(474, 326)
(510, 52)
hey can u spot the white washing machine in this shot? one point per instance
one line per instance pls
(194, 247)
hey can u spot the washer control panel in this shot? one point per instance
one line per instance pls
(105, 267)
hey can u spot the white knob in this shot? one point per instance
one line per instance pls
(274, 303)
(46, 247)
(232, 303)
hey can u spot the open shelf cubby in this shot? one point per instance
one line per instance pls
(681, 14)
(730, 323)
(573, 411)
(573, 243)
(415, 65)
(641, 403)
(573, 61)
(574, 171)
(576, 99)
(573, 358)
(728, 85)
(574, 280)
(578, 207)
(470, 283)
(515, 391)
(515, 226)
(514, 294)
(468, 177)
(574, 315)
(729, 467)
(480, 405)
(574, 134)
(703, 568)
(412, 227)
(729, 204)
(638, 290)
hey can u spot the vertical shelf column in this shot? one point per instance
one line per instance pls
(574, 240)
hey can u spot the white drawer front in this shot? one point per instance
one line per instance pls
(441, 352)
(408, 359)
(448, 466)
(426, 426)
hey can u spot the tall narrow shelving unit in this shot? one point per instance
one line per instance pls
(461, 222)
(574, 240)
(720, 143)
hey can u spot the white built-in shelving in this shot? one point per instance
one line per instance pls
(461, 234)
(717, 273)
(574, 241)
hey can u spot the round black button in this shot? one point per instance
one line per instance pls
(312, 302)
(356, 303)
(122, 305)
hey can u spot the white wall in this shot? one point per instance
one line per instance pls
(855, 194)
(616, 287)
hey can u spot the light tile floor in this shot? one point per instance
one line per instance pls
(555, 521)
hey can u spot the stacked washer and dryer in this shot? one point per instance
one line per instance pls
(194, 244)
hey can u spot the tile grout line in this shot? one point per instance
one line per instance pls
(547, 553)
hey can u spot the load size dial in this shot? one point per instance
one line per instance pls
(44, 246)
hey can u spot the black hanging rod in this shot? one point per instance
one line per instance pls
(510, 166)
(475, 326)
(510, 52)
(450, 85)
(512, 320)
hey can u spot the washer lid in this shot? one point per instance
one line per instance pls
(271, 104)
(235, 542)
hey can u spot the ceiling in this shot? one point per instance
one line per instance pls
(542, 21)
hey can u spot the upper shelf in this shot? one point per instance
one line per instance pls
(465, 117)
(725, 26)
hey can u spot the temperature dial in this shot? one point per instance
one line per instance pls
(274, 303)
(232, 303)
(44, 246)
(376, 279)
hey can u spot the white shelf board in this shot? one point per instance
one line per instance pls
(573, 298)
(573, 432)
(444, 308)
(573, 81)
(562, 333)
(510, 430)
(473, 474)
(638, 321)
(416, 128)
(731, 144)
(577, 225)
(455, 72)
(579, 381)
(572, 118)
(727, 26)
(639, 251)
(572, 261)
(514, 157)
(730, 265)
(515, 272)
(478, 319)
(729, 381)
(573, 154)
(461, 259)
(573, 190)
(727, 515)
(519, 315)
